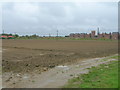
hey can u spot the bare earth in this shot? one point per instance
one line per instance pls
(50, 63)
(54, 78)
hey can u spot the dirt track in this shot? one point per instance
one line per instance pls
(54, 78)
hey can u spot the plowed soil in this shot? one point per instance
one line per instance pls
(35, 56)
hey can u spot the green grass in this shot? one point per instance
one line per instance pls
(103, 76)
(112, 57)
(115, 57)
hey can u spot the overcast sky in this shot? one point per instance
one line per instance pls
(44, 18)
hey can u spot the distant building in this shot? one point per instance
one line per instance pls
(92, 34)
(87, 35)
(113, 36)
(3, 37)
(6, 36)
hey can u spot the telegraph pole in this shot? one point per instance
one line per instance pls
(98, 31)
(3, 31)
(57, 33)
(49, 35)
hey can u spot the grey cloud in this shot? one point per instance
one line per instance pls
(45, 18)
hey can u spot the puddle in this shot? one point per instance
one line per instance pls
(18, 75)
(25, 77)
(62, 66)
(42, 54)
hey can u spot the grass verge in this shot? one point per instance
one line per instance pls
(103, 76)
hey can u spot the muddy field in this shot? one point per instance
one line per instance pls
(35, 56)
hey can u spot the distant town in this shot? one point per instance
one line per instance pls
(92, 35)
(113, 35)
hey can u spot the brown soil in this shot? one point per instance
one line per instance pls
(40, 55)
(54, 78)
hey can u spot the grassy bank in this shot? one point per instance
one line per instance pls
(103, 76)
